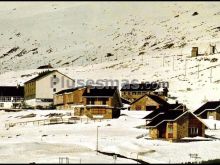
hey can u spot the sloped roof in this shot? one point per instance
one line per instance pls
(156, 98)
(100, 91)
(170, 115)
(139, 87)
(12, 91)
(163, 109)
(211, 105)
(40, 75)
(125, 101)
(45, 67)
(69, 90)
(45, 73)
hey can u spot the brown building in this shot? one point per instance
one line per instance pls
(69, 98)
(175, 124)
(101, 102)
(148, 102)
(132, 92)
(210, 110)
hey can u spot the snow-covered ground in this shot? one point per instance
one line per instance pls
(46, 143)
(147, 41)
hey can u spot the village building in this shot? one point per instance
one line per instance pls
(175, 124)
(102, 102)
(49, 66)
(69, 98)
(11, 97)
(195, 52)
(210, 110)
(148, 102)
(39, 91)
(132, 92)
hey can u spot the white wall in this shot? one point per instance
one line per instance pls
(7, 105)
(44, 87)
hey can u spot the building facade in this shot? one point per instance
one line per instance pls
(132, 92)
(100, 102)
(69, 99)
(148, 102)
(39, 91)
(11, 97)
(175, 124)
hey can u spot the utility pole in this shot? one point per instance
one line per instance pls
(211, 75)
(185, 67)
(163, 60)
(97, 140)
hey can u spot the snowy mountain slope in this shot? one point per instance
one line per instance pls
(135, 40)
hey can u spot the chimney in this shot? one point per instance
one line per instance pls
(177, 102)
(184, 108)
(88, 88)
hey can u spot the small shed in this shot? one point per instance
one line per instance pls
(195, 52)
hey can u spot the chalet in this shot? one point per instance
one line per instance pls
(148, 102)
(69, 98)
(210, 110)
(39, 91)
(175, 124)
(11, 97)
(101, 102)
(132, 92)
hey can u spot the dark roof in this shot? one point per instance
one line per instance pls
(69, 90)
(125, 101)
(174, 106)
(40, 75)
(156, 98)
(170, 115)
(103, 91)
(163, 109)
(209, 105)
(140, 87)
(12, 91)
(45, 67)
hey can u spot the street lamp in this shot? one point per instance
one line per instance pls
(97, 142)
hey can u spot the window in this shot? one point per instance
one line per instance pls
(90, 101)
(1, 104)
(170, 130)
(193, 131)
(104, 101)
(98, 111)
(54, 83)
(54, 89)
(54, 76)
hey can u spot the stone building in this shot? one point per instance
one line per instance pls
(175, 124)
